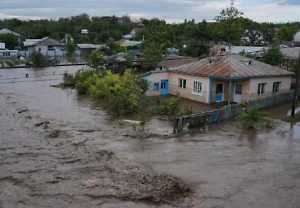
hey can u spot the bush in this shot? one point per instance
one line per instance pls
(255, 117)
(38, 59)
(122, 94)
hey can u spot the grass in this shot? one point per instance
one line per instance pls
(296, 118)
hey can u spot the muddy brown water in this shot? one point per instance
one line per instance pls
(57, 150)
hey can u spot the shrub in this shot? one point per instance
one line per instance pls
(255, 117)
(38, 59)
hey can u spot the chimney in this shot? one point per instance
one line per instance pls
(250, 62)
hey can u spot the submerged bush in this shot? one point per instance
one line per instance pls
(38, 59)
(122, 94)
(255, 117)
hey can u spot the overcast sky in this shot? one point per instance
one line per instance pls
(170, 10)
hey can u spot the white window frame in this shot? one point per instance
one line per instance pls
(261, 88)
(182, 83)
(197, 87)
(276, 88)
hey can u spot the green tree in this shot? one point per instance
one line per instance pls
(38, 59)
(229, 22)
(96, 59)
(286, 33)
(152, 54)
(71, 47)
(195, 48)
(255, 117)
(273, 56)
(10, 40)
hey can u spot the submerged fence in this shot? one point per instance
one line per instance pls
(196, 120)
(273, 99)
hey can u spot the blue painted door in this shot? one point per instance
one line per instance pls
(164, 87)
(219, 92)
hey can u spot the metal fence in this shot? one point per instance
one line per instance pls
(273, 99)
(196, 120)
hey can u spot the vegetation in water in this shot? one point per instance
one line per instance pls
(254, 118)
(122, 94)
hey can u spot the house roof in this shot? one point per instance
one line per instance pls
(171, 61)
(231, 66)
(246, 49)
(114, 59)
(128, 42)
(5, 31)
(33, 42)
(292, 53)
(86, 46)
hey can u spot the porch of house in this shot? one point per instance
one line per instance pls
(227, 91)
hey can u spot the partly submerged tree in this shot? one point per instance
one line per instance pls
(38, 59)
(229, 22)
(255, 117)
(95, 60)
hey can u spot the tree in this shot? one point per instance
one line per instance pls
(10, 40)
(230, 24)
(255, 117)
(286, 33)
(38, 59)
(152, 54)
(273, 56)
(195, 48)
(95, 60)
(71, 47)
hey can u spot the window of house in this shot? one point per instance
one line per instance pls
(182, 83)
(276, 87)
(197, 87)
(261, 88)
(155, 86)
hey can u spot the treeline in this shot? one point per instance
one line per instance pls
(190, 37)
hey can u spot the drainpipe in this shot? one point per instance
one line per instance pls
(229, 91)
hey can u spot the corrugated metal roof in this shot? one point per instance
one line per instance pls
(245, 49)
(5, 30)
(171, 61)
(291, 52)
(231, 66)
(86, 46)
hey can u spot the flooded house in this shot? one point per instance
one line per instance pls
(222, 78)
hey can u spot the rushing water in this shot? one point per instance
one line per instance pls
(53, 165)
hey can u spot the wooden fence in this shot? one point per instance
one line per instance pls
(196, 120)
(273, 99)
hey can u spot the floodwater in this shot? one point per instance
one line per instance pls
(57, 150)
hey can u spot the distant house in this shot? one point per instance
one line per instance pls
(255, 52)
(6, 53)
(171, 61)
(42, 45)
(116, 63)
(222, 78)
(128, 43)
(172, 51)
(7, 31)
(131, 35)
(253, 38)
(297, 37)
(87, 48)
(47, 46)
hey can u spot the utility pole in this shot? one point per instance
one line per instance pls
(296, 88)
